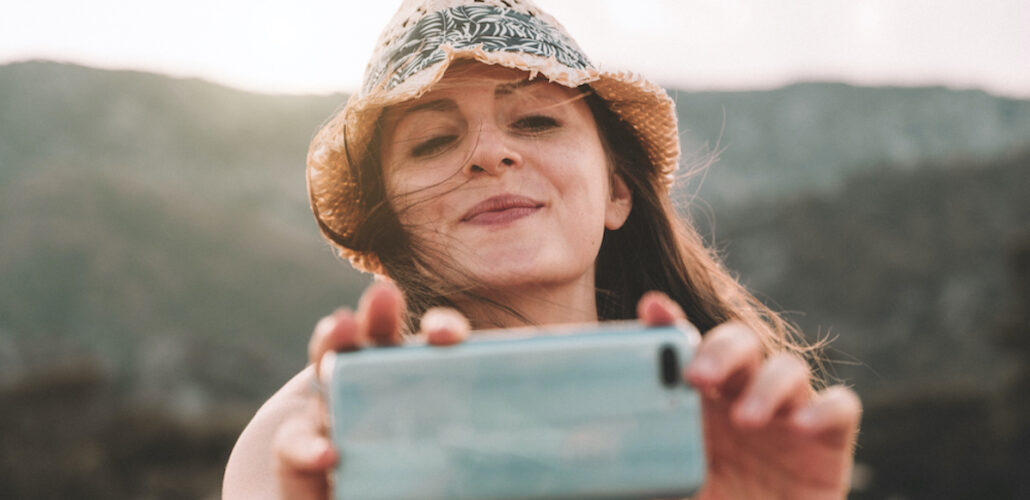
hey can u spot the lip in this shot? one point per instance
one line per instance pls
(501, 209)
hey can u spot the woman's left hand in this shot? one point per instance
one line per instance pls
(768, 434)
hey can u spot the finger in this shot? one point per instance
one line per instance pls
(833, 413)
(337, 332)
(301, 448)
(379, 313)
(657, 309)
(303, 458)
(781, 384)
(444, 326)
(319, 336)
(727, 358)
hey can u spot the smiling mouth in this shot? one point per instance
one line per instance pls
(501, 209)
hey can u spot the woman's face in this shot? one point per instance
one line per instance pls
(504, 177)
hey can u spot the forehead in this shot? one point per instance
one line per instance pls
(465, 76)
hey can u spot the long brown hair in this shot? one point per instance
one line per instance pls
(654, 250)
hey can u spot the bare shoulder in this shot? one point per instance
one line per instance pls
(251, 470)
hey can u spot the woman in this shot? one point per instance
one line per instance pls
(493, 178)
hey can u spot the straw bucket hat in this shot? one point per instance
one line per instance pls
(412, 54)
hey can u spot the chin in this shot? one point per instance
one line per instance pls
(504, 275)
(524, 273)
(526, 262)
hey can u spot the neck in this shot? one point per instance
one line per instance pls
(537, 304)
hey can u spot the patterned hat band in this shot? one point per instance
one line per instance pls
(493, 29)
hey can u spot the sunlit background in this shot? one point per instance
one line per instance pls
(868, 171)
(321, 46)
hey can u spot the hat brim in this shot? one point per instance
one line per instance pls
(341, 146)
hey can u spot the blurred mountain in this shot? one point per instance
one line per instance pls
(813, 136)
(150, 217)
(905, 268)
(160, 272)
(918, 277)
(230, 147)
(160, 226)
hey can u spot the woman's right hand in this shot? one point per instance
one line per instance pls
(285, 452)
(303, 451)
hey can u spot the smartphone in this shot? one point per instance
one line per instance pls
(590, 412)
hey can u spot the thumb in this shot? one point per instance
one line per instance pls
(657, 309)
(304, 456)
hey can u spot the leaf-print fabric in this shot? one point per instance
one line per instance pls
(492, 28)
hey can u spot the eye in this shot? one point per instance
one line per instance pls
(433, 145)
(535, 123)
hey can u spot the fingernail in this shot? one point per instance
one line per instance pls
(752, 410)
(804, 419)
(436, 320)
(325, 324)
(443, 319)
(703, 367)
(317, 448)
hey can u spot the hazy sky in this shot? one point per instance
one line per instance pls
(300, 46)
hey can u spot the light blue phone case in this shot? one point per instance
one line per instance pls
(574, 415)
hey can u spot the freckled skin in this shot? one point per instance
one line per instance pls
(458, 146)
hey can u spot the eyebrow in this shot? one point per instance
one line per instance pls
(510, 88)
(446, 104)
(435, 105)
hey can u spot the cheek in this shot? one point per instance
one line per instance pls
(583, 178)
(421, 198)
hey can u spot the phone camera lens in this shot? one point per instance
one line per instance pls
(669, 363)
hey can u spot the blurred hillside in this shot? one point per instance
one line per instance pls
(905, 268)
(919, 277)
(155, 224)
(160, 272)
(815, 135)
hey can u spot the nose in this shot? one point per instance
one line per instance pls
(492, 151)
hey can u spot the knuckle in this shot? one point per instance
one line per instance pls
(790, 363)
(442, 312)
(322, 327)
(846, 398)
(733, 341)
(723, 334)
(743, 339)
(285, 435)
(444, 326)
(318, 335)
